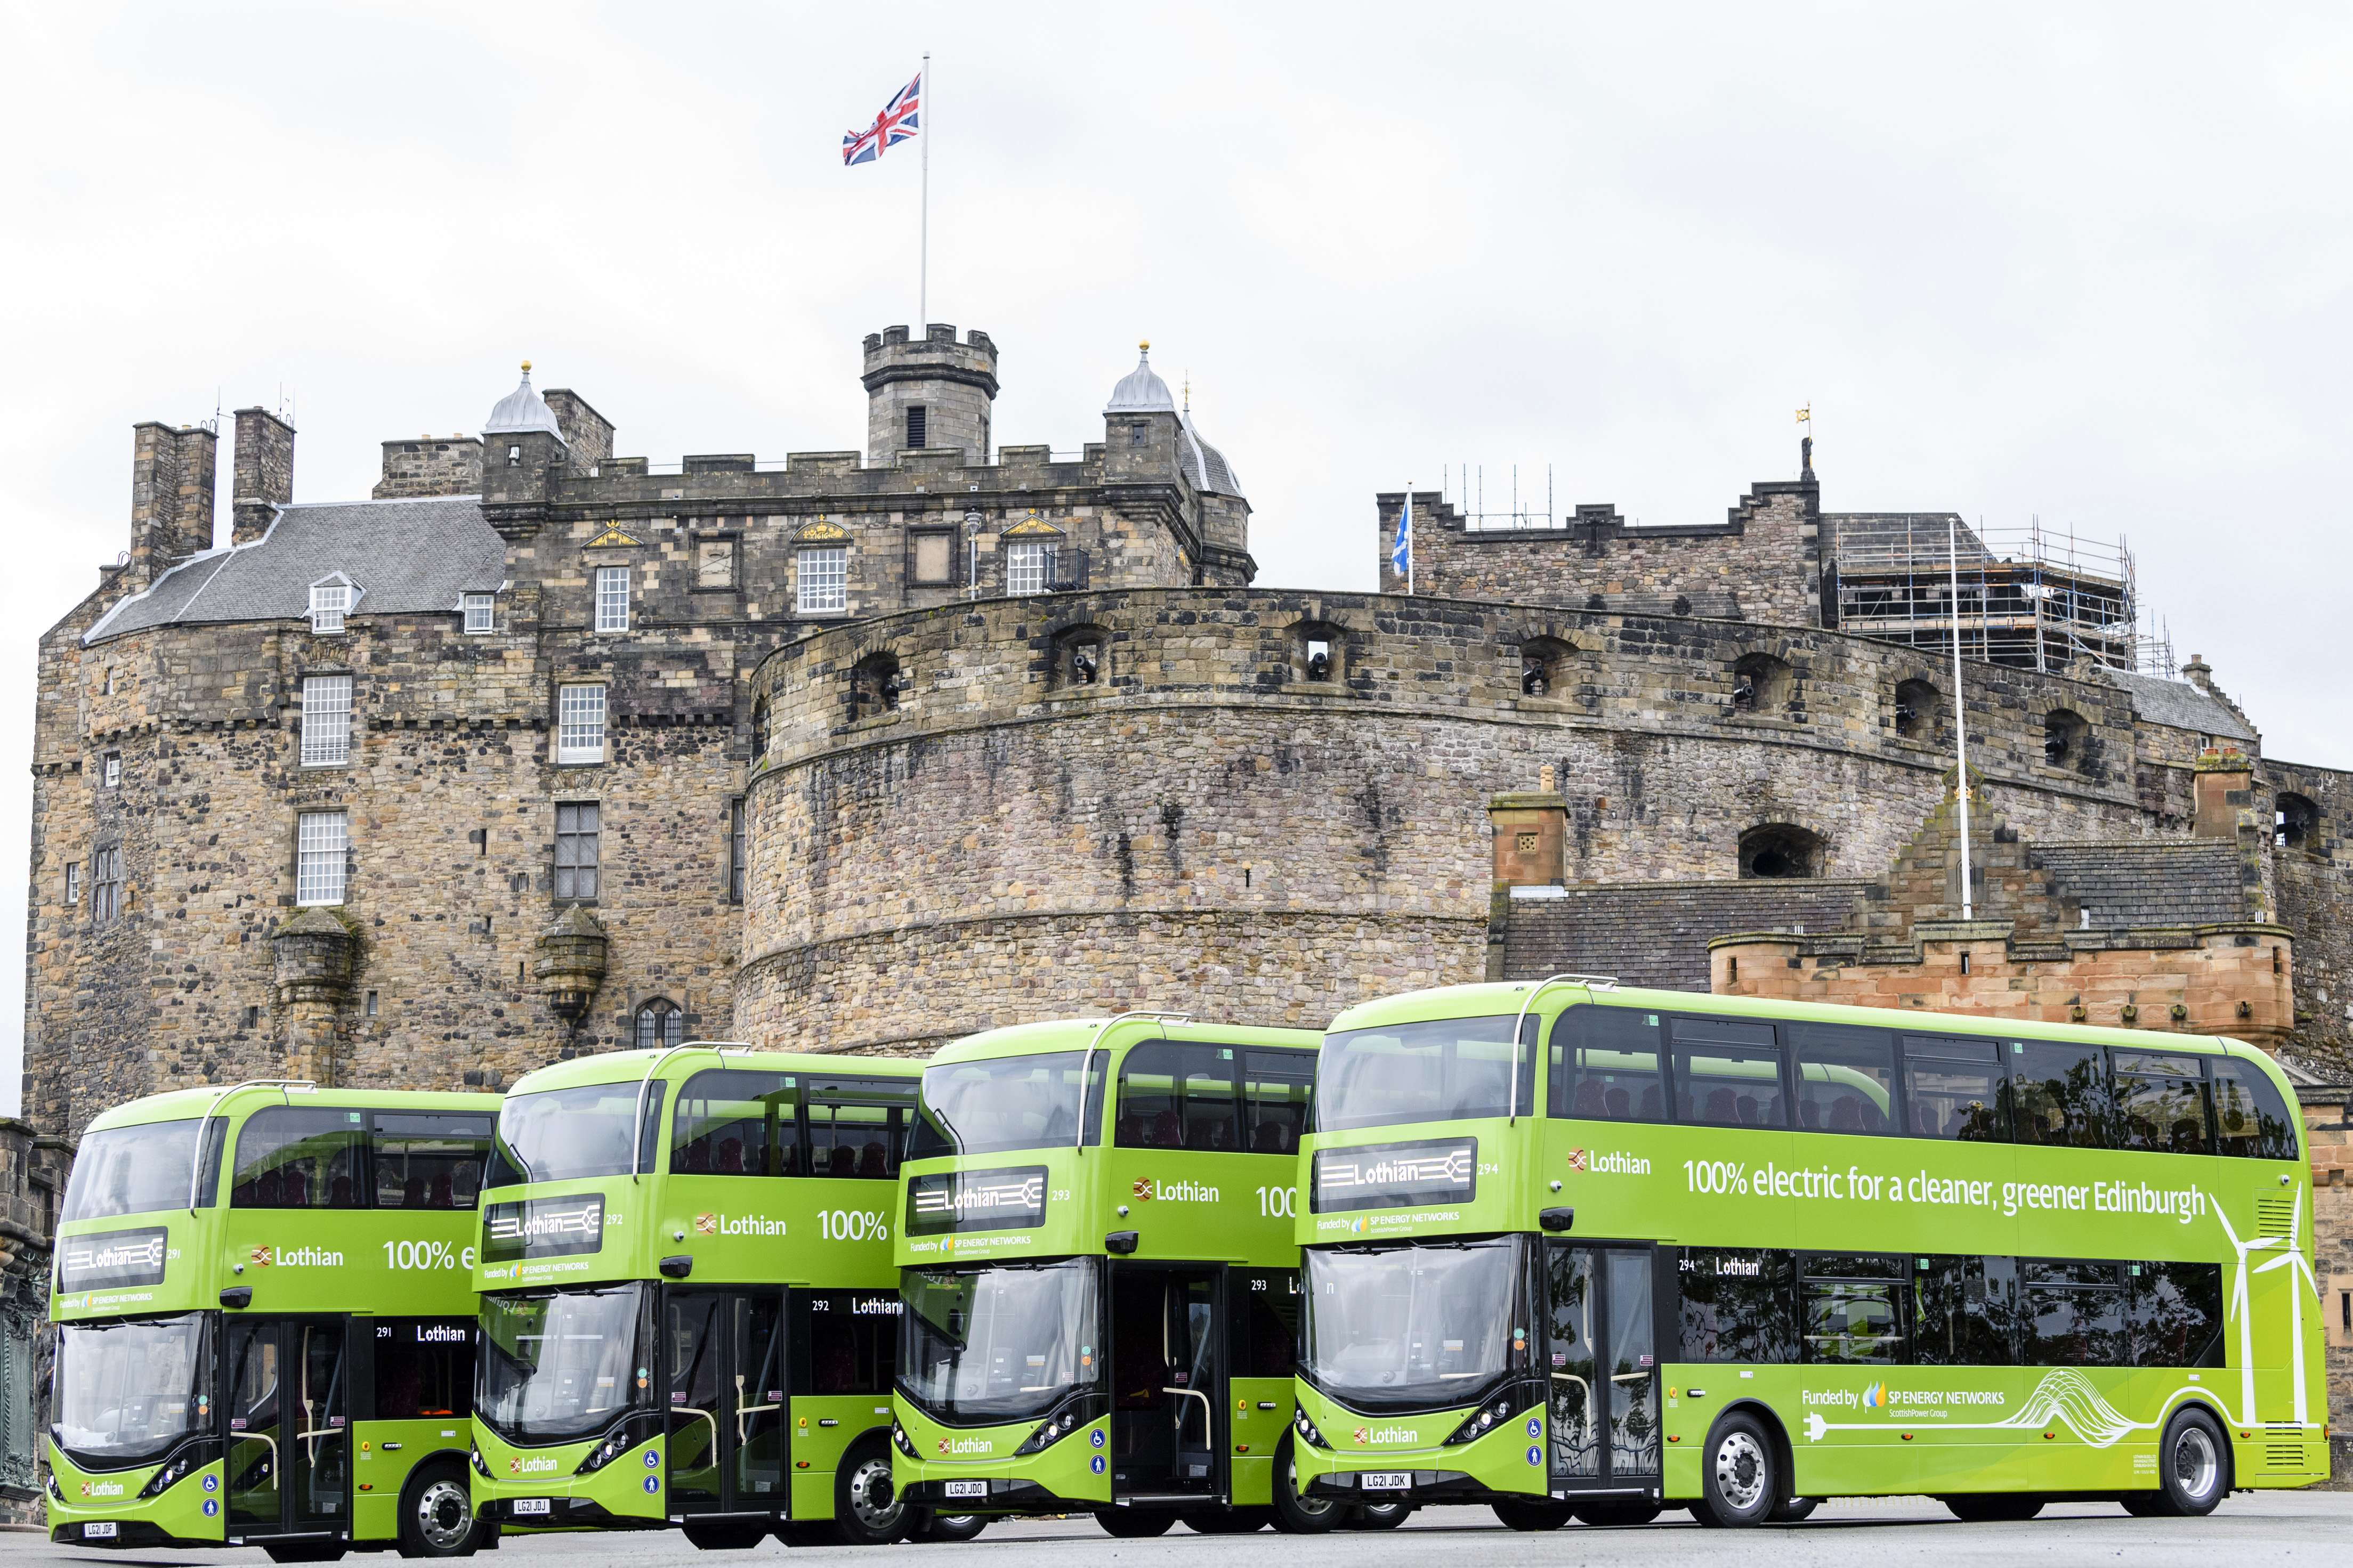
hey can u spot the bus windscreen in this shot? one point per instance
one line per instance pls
(1418, 1327)
(127, 1391)
(1445, 1070)
(571, 1134)
(131, 1170)
(1003, 1103)
(999, 1344)
(560, 1366)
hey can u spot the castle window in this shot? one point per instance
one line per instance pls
(759, 730)
(659, 1024)
(1760, 684)
(73, 884)
(915, 425)
(2063, 739)
(111, 769)
(106, 884)
(822, 583)
(612, 598)
(2298, 821)
(326, 720)
(1138, 432)
(514, 457)
(875, 684)
(321, 841)
(576, 850)
(580, 724)
(329, 601)
(481, 614)
(1025, 565)
(735, 850)
(1317, 652)
(1915, 710)
(1082, 657)
(1777, 849)
(1544, 665)
(109, 680)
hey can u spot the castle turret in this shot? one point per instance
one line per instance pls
(524, 450)
(932, 393)
(1141, 425)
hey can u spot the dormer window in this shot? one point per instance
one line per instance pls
(481, 612)
(331, 600)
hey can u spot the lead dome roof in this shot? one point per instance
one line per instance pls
(523, 410)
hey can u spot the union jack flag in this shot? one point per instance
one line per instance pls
(895, 124)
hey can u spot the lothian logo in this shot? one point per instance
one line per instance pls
(1143, 1188)
(1364, 1435)
(262, 1255)
(706, 1224)
(1576, 1160)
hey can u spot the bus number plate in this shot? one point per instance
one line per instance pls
(1385, 1481)
(967, 1489)
(97, 1531)
(531, 1505)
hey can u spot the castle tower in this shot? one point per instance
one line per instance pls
(524, 450)
(936, 393)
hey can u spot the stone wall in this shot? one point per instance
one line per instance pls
(451, 466)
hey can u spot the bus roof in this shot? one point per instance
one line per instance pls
(1077, 1034)
(629, 1067)
(1496, 997)
(182, 1103)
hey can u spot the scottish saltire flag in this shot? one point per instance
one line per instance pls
(895, 124)
(1401, 553)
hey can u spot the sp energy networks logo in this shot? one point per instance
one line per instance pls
(1175, 1192)
(1874, 1396)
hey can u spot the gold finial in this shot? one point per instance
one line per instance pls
(1144, 347)
(1189, 392)
(526, 367)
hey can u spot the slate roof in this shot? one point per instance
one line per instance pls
(405, 555)
(2148, 881)
(1204, 464)
(1865, 538)
(2182, 704)
(1656, 933)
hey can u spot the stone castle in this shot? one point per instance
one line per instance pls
(541, 751)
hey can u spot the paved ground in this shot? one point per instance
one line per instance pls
(2267, 1528)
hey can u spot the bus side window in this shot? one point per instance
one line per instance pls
(731, 1122)
(2071, 1314)
(1275, 1089)
(2177, 1313)
(858, 1127)
(844, 1350)
(1605, 1064)
(2160, 1102)
(2251, 1119)
(1261, 1321)
(1964, 1311)
(292, 1157)
(1953, 1089)
(1737, 1305)
(1177, 1094)
(1845, 1078)
(423, 1367)
(428, 1161)
(1728, 1073)
(1853, 1309)
(2060, 1092)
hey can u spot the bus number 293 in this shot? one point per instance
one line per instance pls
(1277, 1203)
(851, 1224)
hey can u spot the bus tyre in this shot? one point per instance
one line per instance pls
(436, 1518)
(1994, 1508)
(1796, 1510)
(724, 1534)
(1617, 1513)
(1129, 1525)
(1379, 1515)
(2192, 1465)
(1739, 1480)
(1294, 1514)
(1532, 1514)
(2140, 1505)
(937, 1526)
(303, 1551)
(866, 1511)
(1228, 1520)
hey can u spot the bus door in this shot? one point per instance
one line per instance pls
(1168, 1377)
(1601, 1358)
(725, 1378)
(288, 1408)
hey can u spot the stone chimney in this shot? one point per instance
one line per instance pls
(171, 497)
(264, 472)
(2224, 785)
(1531, 833)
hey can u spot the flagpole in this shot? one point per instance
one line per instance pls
(1408, 538)
(1960, 715)
(924, 245)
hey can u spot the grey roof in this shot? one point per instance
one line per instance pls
(1204, 464)
(1655, 933)
(1861, 538)
(523, 410)
(403, 555)
(1140, 391)
(2180, 704)
(2148, 881)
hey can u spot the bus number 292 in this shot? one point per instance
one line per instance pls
(1277, 1203)
(851, 1224)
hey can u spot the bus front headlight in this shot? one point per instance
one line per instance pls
(480, 1468)
(1307, 1432)
(901, 1441)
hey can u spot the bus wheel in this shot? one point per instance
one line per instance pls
(1130, 1525)
(1796, 1510)
(2191, 1477)
(1994, 1508)
(937, 1526)
(1379, 1515)
(1294, 1514)
(1739, 1483)
(1532, 1514)
(866, 1511)
(302, 1552)
(1617, 1513)
(2140, 1505)
(436, 1519)
(1228, 1520)
(723, 1534)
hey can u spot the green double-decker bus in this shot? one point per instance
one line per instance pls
(688, 1306)
(1100, 1280)
(1578, 1250)
(265, 1322)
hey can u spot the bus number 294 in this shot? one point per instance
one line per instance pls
(1277, 1203)
(851, 1224)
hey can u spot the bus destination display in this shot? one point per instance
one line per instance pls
(1392, 1175)
(1012, 1199)
(543, 1227)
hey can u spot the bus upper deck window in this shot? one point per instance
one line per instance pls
(1953, 1089)
(1605, 1066)
(1728, 1073)
(1845, 1078)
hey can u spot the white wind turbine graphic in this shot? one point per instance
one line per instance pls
(2292, 1260)
(2241, 1305)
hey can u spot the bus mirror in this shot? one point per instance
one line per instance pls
(676, 1267)
(237, 1296)
(1120, 1241)
(1557, 1219)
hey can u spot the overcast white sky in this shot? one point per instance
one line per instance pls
(2090, 264)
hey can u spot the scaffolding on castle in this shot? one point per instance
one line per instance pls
(2031, 598)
